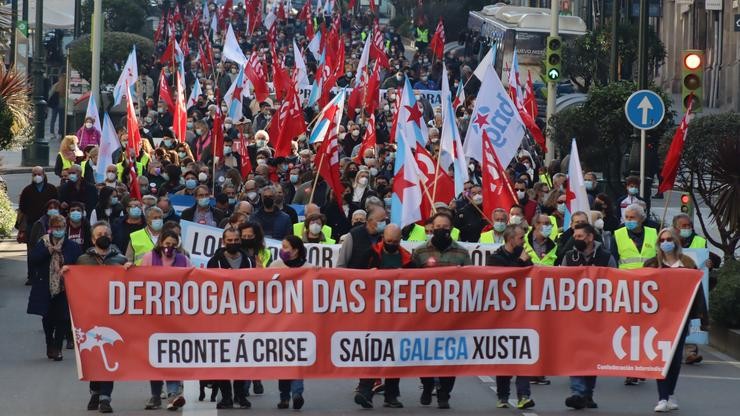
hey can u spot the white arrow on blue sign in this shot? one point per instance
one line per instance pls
(644, 109)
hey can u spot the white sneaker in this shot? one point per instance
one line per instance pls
(662, 406)
(672, 403)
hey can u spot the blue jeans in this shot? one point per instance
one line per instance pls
(57, 113)
(583, 385)
(102, 388)
(173, 387)
(290, 388)
(503, 386)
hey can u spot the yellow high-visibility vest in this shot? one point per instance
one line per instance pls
(629, 257)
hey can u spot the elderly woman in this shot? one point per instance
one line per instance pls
(48, 297)
(88, 134)
(669, 256)
(312, 230)
(69, 154)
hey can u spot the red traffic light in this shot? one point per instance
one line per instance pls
(685, 198)
(692, 61)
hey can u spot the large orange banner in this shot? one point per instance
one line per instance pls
(186, 324)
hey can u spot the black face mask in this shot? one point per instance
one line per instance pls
(441, 238)
(249, 243)
(580, 245)
(268, 202)
(391, 248)
(233, 248)
(347, 198)
(103, 242)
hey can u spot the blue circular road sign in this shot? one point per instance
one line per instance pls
(644, 109)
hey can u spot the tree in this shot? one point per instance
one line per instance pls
(15, 109)
(601, 129)
(117, 46)
(710, 172)
(586, 60)
(119, 16)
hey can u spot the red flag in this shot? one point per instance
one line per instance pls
(281, 12)
(533, 128)
(164, 91)
(373, 7)
(246, 166)
(310, 33)
(437, 45)
(132, 146)
(377, 48)
(369, 142)
(184, 47)
(530, 101)
(160, 29)
(225, 15)
(179, 122)
(445, 186)
(280, 78)
(673, 158)
(328, 155)
(372, 97)
(497, 192)
(255, 71)
(217, 133)
(169, 53)
(305, 13)
(290, 123)
(176, 16)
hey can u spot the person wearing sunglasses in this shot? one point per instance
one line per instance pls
(669, 256)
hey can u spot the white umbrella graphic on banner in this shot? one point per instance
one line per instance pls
(98, 336)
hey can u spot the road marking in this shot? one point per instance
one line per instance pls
(529, 414)
(487, 379)
(193, 407)
(711, 377)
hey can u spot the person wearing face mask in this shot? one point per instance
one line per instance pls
(470, 219)
(290, 185)
(292, 255)
(539, 244)
(586, 251)
(635, 243)
(496, 235)
(32, 203)
(529, 206)
(313, 230)
(164, 254)
(565, 239)
(385, 254)
(275, 223)
(591, 183)
(191, 182)
(78, 229)
(48, 297)
(395, 81)
(231, 256)
(68, 155)
(102, 252)
(263, 118)
(632, 184)
(144, 240)
(88, 134)
(512, 254)
(360, 187)
(516, 217)
(253, 243)
(669, 255)
(439, 251)
(131, 221)
(357, 245)
(78, 190)
(202, 212)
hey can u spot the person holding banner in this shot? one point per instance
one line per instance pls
(292, 254)
(253, 243)
(439, 251)
(512, 254)
(586, 251)
(231, 256)
(669, 256)
(165, 254)
(102, 252)
(386, 254)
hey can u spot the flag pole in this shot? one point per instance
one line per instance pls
(316, 178)
(665, 208)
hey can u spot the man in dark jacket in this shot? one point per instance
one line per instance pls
(358, 244)
(31, 206)
(103, 252)
(231, 256)
(586, 252)
(275, 223)
(512, 254)
(386, 254)
(131, 222)
(470, 220)
(202, 212)
(79, 190)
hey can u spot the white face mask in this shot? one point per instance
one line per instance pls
(202, 177)
(599, 224)
(110, 176)
(362, 181)
(515, 219)
(88, 125)
(314, 228)
(38, 178)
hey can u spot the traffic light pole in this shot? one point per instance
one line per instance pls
(551, 85)
(642, 78)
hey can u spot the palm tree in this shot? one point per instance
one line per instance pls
(15, 109)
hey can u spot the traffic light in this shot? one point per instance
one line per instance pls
(553, 58)
(687, 207)
(692, 74)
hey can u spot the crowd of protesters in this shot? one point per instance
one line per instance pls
(91, 219)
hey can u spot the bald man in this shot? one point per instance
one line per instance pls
(386, 254)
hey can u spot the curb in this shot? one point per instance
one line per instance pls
(22, 169)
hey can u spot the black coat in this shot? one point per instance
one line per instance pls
(40, 300)
(189, 213)
(86, 194)
(218, 261)
(503, 258)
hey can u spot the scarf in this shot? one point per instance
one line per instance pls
(297, 262)
(55, 265)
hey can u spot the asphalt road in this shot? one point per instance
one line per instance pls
(30, 384)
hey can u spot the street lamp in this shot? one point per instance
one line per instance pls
(37, 154)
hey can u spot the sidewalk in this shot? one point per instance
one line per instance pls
(10, 160)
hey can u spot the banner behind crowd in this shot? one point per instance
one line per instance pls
(169, 323)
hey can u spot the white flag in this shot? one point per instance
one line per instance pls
(483, 66)
(194, 93)
(109, 143)
(92, 111)
(450, 145)
(496, 114)
(129, 76)
(576, 196)
(232, 51)
(360, 77)
(300, 67)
